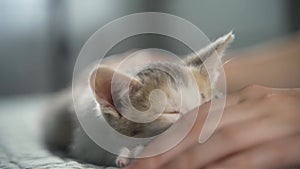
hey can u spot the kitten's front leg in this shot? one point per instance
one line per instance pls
(137, 150)
(125, 155)
(123, 158)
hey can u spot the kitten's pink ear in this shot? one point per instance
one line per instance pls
(215, 48)
(101, 80)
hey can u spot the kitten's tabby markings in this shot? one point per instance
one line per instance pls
(171, 78)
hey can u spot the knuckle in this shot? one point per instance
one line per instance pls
(234, 98)
(181, 163)
(228, 134)
(252, 160)
(245, 161)
(274, 98)
(251, 88)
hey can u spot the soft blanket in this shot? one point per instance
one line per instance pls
(20, 137)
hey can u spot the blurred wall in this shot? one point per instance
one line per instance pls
(24, 46)
(40, 39)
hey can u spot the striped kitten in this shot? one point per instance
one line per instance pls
(107, 91)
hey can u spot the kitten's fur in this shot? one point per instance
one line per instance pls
(63, 131)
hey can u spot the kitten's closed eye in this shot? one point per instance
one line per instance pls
(173, 112)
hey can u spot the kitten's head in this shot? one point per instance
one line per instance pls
(158, 91)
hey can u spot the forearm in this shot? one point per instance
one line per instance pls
(273, 65)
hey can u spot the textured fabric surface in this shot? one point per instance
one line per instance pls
(20, 141)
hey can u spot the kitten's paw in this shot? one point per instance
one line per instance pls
(122, 161)
(123, 158)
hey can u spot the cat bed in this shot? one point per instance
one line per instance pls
(20, 137)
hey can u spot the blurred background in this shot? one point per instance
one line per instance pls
(40, 39)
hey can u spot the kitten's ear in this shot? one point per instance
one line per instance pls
(215, 48)
(101, 82)
(211, 56)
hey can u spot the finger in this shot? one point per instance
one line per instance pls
(253, 92)
(232, 99)
(243, 111)
(259, 105)
(277, 154)
(248, 93)
(234, 138)
(285, 91)
(256, 91)
(239, 112)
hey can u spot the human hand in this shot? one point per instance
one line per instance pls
(260, 128)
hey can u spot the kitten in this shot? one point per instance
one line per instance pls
(63, 131)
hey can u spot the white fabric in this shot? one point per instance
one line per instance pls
(20, 141)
